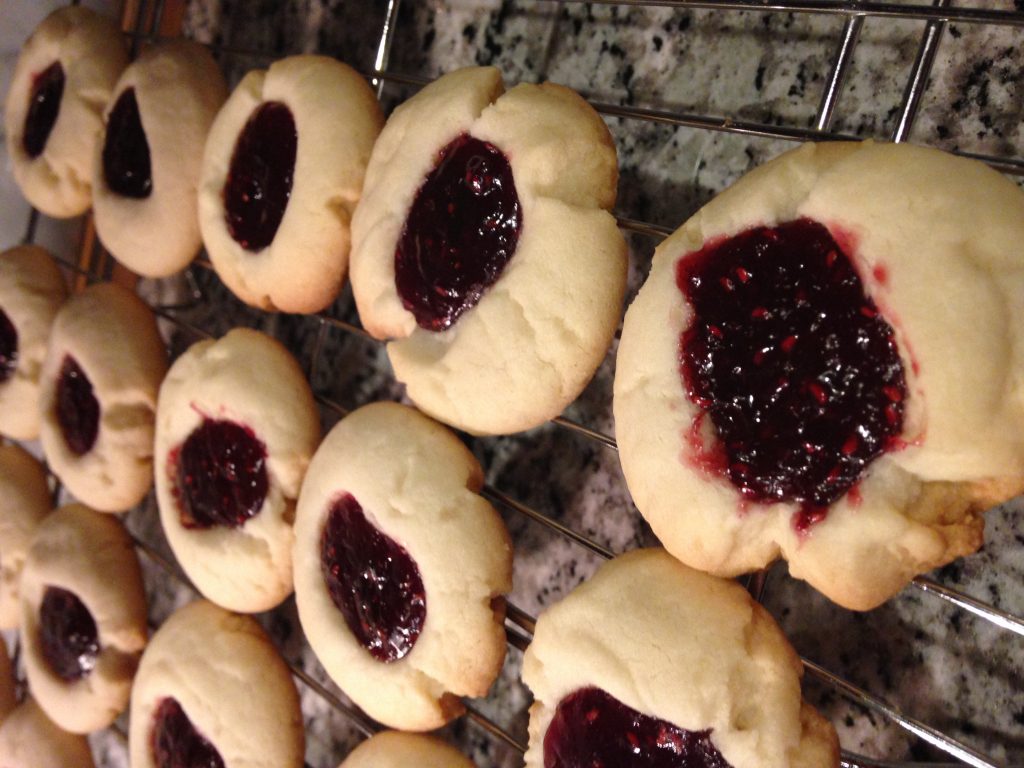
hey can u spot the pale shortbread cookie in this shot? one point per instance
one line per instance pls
(231, 683)
(178, 88)
(337, 119)
(91, 555)
(681, 646)
(8, 692)
(24, 501)
(92, 52)
(419, 485)
(113, 337)
(251, 380)
(32, 290)
(944, 233)
(29, 739)
(537, 335)
(394, 749)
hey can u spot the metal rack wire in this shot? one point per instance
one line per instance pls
(144, 19)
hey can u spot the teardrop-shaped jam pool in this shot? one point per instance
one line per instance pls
(43, 109)
(67, 634)
(126, 163)
(794, 363)
(259, 182)
(219, 475)
(373, 581)
(8, 347)
(592, 728)
(461, 231)
(78, 410)
(176, 743)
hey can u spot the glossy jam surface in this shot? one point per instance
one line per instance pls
(8, 347)
(462, 229)
(795, 365)
(78, 410)
(126, 165)
(176, 743)
(43, 108)
(373, 582)
(592, 729)
(259, 182)
(67, 634)
(220, 475)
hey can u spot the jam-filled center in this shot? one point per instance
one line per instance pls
(126, 165)
(78, 410)
(8, 347)
(461, 231)
(220, 475)
(259, 182)
(794, 363)
(592, 729)
(373, 582)
(176, 743)
(43, 108)
(67, 634)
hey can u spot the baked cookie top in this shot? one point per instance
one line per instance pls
(825, 364)
(651, 655)
(53, 114)
(32, 290)
(145, 170)
(394, 749)
(484, 248)
(29, 739)
(211, 684)
(97, 398)
(401, 567)
(24, 501)
(83, 617)
(282, 173)
(236, 429)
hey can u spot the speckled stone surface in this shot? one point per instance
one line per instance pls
(952, 671)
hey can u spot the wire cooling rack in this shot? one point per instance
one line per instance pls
(196, 309)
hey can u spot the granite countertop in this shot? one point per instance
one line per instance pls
(941, 665)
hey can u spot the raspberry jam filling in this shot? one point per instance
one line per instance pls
(259, 181)
(795, 365)
(462, 229)
(67, 635)
(78, 410)
(126, 165)
(220, 475)
(43, 108)
(176, 743)
(373, 582)
(8, 347)
(592, 729)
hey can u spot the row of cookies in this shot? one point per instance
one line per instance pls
(600, 659)
(290, 173)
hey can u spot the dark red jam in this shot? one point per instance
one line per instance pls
(125, 150)
(176, 743)
(78, 410)
(67, 635)
(220, 475)
(259, 181)
(592, 729)
(43, 108)
(795, 365)
(461, 231)
(8, 347)
(372, 581)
